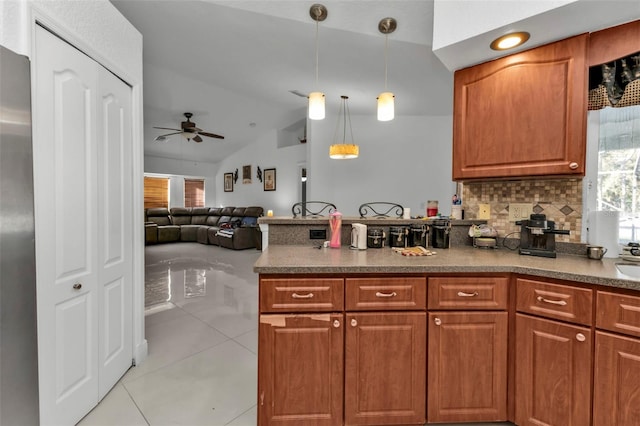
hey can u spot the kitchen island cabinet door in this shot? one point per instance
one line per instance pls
(522, 115)
(616, 381)
(467, 369)
(385, 360)
(553, 373)
(300, 379)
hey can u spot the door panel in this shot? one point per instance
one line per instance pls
(115, 251)
(65, 211)
(385, 357)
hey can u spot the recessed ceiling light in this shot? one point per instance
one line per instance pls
(509, 41)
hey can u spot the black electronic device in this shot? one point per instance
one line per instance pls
(538, 236)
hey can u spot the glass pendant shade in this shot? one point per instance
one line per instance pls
(316, 106)
(343, 151)
(386, 109)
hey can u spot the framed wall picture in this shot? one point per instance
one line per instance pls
(228, 182)
(246, 174)
(269, 179)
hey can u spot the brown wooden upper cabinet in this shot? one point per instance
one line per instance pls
(522, 115)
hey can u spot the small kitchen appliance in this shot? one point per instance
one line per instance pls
(538, 236)
(358, 236)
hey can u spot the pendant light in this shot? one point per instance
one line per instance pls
(386, 99)
(316, 99)
(344, 150)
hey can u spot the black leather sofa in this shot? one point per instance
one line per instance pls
(231, 227)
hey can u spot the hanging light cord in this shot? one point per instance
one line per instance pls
(386, 49)
(318, 13)
(344, 107)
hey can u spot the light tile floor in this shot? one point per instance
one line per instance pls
(201, 328)
(202, 333)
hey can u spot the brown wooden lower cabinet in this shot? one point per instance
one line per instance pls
(385, 359)
(616, 385)
(467, 367)
(553, 373)
(300, 366)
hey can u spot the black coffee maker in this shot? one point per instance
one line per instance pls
(538, 236)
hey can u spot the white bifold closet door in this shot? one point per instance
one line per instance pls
(83, 216)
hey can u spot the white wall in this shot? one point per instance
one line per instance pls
(406, 161)
(266, 154)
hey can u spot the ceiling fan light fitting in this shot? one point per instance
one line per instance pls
(386, 107)
(316, 106)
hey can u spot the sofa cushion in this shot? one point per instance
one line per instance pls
(215, 211)
(180, 215)
(159, 216)
(168, 234)
(238, 212)
(227, 211)
(189, 233)
(199, 215)
(254, 211)
(212, 220)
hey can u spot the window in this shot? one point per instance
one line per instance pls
(194, 192)
(618, 167)
(156, 192)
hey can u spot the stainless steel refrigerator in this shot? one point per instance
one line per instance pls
(18, 326)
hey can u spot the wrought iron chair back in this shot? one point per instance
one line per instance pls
(313, 209)
(381, 210)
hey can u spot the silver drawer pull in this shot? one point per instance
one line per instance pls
(580, 337)
(77, 286)
(392, 294)
(463, 294)
(553, 302)
(302, 296)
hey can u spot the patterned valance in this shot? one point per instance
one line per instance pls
(615, 84)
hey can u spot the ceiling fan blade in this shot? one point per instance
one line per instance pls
(197, 138)
(211, 135)
(174, 133)
(167, 128)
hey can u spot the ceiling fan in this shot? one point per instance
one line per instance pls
(188, 131)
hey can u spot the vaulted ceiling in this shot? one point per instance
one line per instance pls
(233, 63)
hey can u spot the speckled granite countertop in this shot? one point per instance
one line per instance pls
(310, 260)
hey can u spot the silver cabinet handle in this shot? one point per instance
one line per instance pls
(77, 286)
(553, 302)
(573, 165)
(463, 294)
(437, 321)
(392, 294)
(336, 323)
(302, 296)
(580, 337)
(354, 322)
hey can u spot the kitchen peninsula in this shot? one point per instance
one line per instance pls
(374, 337)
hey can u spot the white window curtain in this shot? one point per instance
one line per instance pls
(619, 128)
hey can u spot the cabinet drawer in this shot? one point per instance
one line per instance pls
(488, 293)
(301, 295)
(618, 312)
(386, 293)
(564, 302)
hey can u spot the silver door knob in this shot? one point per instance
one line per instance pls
(77, 286)
(354, 322)
(336, 323)
(573, 165)
(437, 321)
(580, 337)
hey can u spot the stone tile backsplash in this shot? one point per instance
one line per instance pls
(559, 199)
